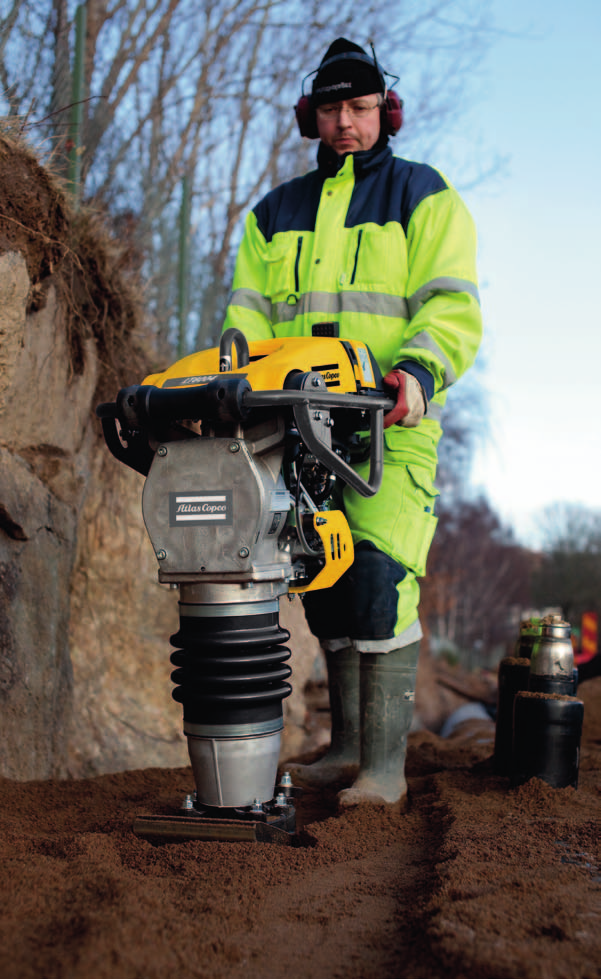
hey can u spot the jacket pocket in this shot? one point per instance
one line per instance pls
(283, 267)
(377, 259)
(416, 521)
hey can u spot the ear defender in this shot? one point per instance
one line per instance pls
(306, 118)
(391, 114)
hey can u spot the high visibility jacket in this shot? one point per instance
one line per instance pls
(387, 249)
(381, 245)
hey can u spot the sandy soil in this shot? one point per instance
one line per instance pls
(470, 879)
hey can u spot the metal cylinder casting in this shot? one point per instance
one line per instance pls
(513, 676)
(530, 630)
(552, 668)
(546, 738)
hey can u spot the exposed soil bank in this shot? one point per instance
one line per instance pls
(470, 880)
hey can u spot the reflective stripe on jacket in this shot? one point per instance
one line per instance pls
(383, 246)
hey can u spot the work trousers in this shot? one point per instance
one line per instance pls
(375, 603)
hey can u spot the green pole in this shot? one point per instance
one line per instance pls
(183, 265)
(77, 95)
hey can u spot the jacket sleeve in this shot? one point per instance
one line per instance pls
(249, 309)
(445, 327)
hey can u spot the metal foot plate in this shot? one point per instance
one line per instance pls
(182, 829)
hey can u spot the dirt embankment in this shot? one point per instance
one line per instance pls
(84, 643)
(469, 880)
(69, 316)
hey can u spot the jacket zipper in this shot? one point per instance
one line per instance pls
(359, 236)
(299, 245)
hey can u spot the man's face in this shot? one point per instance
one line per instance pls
(350, 126)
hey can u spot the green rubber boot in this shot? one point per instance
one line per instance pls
(341, 760)
(387, 697)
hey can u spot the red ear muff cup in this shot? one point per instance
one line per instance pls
(305, 117)
(392, 114)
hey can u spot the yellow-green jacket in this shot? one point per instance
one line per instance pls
(387, 249)
(383, 246)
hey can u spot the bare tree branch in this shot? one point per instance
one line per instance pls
(206, 87)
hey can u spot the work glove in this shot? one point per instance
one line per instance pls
(411, 403)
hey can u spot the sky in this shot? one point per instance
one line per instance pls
(539, 229)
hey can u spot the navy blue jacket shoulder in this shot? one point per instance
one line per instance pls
(387, 188)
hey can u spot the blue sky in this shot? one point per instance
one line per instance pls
(539, 228)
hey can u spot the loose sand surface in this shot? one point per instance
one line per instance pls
(469, 879)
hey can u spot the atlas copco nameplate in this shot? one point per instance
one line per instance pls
(191, 509)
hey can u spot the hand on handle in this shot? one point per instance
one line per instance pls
(411, 402)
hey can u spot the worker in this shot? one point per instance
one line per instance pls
(385, 249)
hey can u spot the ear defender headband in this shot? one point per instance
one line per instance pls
(391, 111)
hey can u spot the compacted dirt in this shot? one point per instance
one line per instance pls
(471, 879)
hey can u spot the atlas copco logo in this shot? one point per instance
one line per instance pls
(330, 374)
(199, 509)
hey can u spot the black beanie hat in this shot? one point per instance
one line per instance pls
(345, 72)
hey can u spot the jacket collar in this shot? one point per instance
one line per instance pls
(329, 163)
